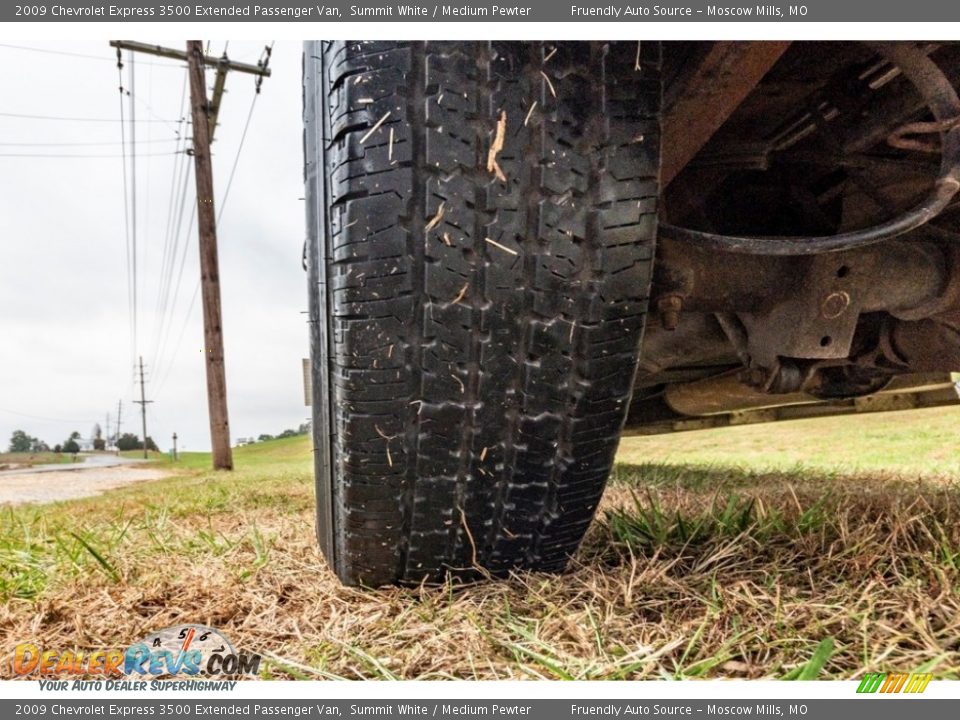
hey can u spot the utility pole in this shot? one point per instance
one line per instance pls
(209, 262)
(119, 410)
(223, 65)
(204, 117)
(142, 402)
(174, 447)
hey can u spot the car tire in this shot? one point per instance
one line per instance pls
(481, 226)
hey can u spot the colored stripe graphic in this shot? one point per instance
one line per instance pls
(894, 683)
(871, 682)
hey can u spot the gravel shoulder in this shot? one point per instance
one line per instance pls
(51, 486)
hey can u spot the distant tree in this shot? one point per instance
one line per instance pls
(39, 446)
(128, 441)
(304, 429)
(21, 442)
(58, 448)
(97, 431)
(287, 434)
(264, 437)
(99, 444)
(71, 445)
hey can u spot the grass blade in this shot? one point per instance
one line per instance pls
(815, 664)
(104, 563)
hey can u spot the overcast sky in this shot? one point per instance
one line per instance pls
(65, 339)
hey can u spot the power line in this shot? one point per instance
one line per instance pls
(86, 56)
(142, 402)
(204, 115)
(42, 417)
(176, 289)
(183, 329)
(223, 202)
(133, 200)
(236, 159)
(126, 205)
(80, 155)
(178, 179)
(85, 144)
(27, 116)
(55, 52)
(148, 204)
(175, 244)
(149, 108)
(165, 305)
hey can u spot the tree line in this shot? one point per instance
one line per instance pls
(22, 442)
(303, 429)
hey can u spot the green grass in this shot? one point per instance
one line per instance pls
(917, 442)
(693, 569)
(138, 455)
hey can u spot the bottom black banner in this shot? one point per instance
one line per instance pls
(874, 707)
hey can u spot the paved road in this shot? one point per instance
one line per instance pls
(89, 462)
(97, 473)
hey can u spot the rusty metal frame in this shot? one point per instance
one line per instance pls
(721, 81)
(941, 98)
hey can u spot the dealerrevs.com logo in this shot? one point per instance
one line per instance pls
(184, 650)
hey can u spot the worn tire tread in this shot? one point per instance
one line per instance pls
(476, 395)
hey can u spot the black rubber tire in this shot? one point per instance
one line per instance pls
(474, 337)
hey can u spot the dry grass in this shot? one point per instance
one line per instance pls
(689, 572)
(18, 460)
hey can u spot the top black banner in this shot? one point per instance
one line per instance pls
(332, 11)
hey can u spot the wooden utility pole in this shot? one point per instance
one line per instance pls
(174, 447)
(223, 65)
(209, 262)
(119, 410)
(204, 117)
(142, 402)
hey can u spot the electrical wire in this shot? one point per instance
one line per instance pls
(176, 290)
(170, 291)
(42, 417)
(265, 59)
(133, 196)
(30, 116)
(178, 179)
(176, 351)
(236, 159)
(126, 204)
(80, 155)
(147, 204)
(223, 203)
(110, 143)
(64, 53)
(86, 56)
